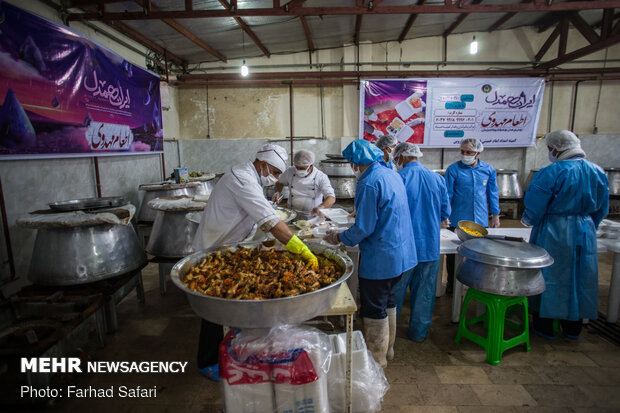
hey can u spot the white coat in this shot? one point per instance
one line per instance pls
(236, 206)
(306, 193)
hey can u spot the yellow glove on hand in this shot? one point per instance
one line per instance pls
(296, 246)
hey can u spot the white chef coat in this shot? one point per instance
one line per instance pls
(236, 206)
(306, 193)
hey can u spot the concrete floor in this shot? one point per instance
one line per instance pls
(434, 376)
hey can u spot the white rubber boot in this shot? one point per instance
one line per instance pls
(376, 333)
(391, 312)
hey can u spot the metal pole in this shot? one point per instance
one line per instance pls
(7, 235)
(290, 92)
(97, 177)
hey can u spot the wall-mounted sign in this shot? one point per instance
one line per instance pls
(62, 94)
(500, 112)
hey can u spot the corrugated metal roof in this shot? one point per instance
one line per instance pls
(286, 34)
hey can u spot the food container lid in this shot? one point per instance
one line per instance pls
(504, 253)
(88, 203)
(335, 161)
(334, 156)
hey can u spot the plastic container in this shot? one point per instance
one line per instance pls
(181, 175)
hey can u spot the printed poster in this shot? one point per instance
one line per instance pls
(62, 94)
(394, 107)
(500, 112)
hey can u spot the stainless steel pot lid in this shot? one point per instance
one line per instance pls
(88, 203)
(162, 186)
(503, 253)
(335, 161)
(506, 171)
(334, 156)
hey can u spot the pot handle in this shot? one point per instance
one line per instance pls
(505, 237)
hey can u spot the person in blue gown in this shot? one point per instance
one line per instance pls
(387, 144)
(429, 207)
(473, 192)
(565, 203)
(382, 229)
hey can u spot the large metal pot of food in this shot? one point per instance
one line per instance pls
(262, 313)
(172, 234)
(344, 186)
(163, 190)
(502, 267)
(613, 175)
(84, 254)
(337, 167)
(508, 183)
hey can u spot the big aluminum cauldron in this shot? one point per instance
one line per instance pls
(79, 255)
(508, 268)
(172, 235)
(262, 313)
(344, 186)
(613, 175)
(508, 184)
(164, 190)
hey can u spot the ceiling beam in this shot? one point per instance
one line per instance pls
(459, 20)
(247, 30)
(399, 73)
(355, 10)
(504, 19)
(606, 23)
(584, 51)
(138, 37)
(409, 24)
(545, 47)
(307, 33)
(179, 28)
(563, 37)
(584, 28)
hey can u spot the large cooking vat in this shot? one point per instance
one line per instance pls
(337, 167)
(508, 184)
(172, 234)
(84, 254)
(163, 190)
(502, 267)
(613, 175)
(344, 186)
(207, 183)
(262, 313)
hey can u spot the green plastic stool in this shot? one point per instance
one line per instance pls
(494, 320)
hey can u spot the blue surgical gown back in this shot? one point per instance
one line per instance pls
(382, 225)
(565, 203)
(428, 205)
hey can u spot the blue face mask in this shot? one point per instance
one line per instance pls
(552, 158)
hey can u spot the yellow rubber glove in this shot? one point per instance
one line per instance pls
(296, 246)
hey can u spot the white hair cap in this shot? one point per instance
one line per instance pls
(407, 149)
(474, 143)
(274, 155)
(562, 140)
(303, 158)
(385, 142)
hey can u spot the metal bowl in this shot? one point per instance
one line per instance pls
(464, 236)
(262, 313)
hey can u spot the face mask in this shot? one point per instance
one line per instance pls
(468, 160)
(304, 173)
(552, 158)
(268, 180)
(357, 172)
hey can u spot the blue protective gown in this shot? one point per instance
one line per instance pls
(429, 205)
(382, 225)
(389, 164)
(565, 203)
(473, 192)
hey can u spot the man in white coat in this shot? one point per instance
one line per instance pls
(236, 206)
(309, 188)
